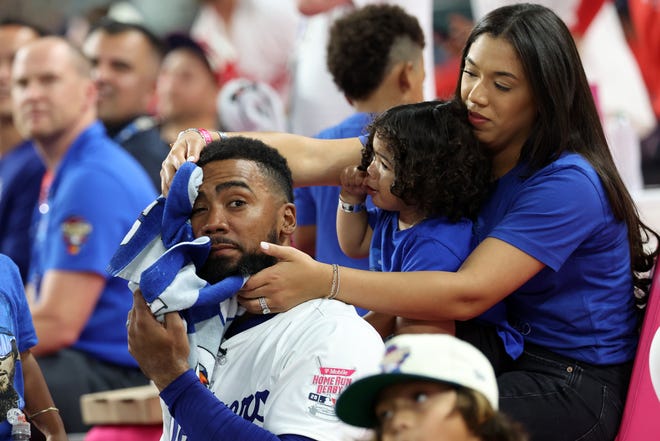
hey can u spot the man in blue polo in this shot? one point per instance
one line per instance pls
(90, 194)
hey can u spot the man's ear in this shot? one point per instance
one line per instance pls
(288, 219)
(405, 76)
(399, 81)
(91, 92)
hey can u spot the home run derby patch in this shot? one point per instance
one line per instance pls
(328, 384)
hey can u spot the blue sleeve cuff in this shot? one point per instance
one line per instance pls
(202, 416)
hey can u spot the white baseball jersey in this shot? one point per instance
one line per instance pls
(285, 374)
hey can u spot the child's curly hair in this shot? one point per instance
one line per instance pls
(440, 166)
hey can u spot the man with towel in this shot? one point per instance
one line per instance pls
(277, 375)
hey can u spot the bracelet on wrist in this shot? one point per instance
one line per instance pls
(206, 135)
(42, 411)
(222, 135)
(350, 208)
(334, 285)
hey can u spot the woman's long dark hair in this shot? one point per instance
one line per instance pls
(567, 117)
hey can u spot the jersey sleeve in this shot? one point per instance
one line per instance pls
(553, 215)
(327, 358)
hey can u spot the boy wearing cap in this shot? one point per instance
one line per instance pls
(431, 387)
(188, 84)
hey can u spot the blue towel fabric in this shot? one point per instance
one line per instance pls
(160, 255)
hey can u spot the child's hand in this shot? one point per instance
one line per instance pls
(353, 188)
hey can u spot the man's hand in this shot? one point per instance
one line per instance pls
(161, 349)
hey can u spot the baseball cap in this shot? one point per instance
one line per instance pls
(250, 106)
(440, 358)
(199, 49)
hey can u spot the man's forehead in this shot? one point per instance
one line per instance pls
(233, 170)
(43, 57)
(14, 36)
(126, 44)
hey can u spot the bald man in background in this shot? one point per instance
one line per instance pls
(94, 188)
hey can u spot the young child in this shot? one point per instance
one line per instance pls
(427, 176)
(23, 390)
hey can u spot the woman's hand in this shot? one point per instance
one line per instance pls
(296, 278)
(187, 147)
(161, 349)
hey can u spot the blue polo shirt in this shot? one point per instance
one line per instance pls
(21, 171)
(97, 192)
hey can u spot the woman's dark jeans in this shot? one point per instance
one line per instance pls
(554, 397)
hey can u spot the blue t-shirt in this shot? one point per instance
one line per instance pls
(434, 244)
(581, 304)
(17, 334)
(96, 194)
(21, 171)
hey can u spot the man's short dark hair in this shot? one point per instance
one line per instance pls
(360, 47)
(270, 161)
(114, 27)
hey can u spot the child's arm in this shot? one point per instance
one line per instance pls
(39, 406)
(353, 230)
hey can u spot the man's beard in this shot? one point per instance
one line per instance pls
(217, 269)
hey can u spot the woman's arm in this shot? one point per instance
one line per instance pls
(493, 271)
(312, 161)
(38, 401)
